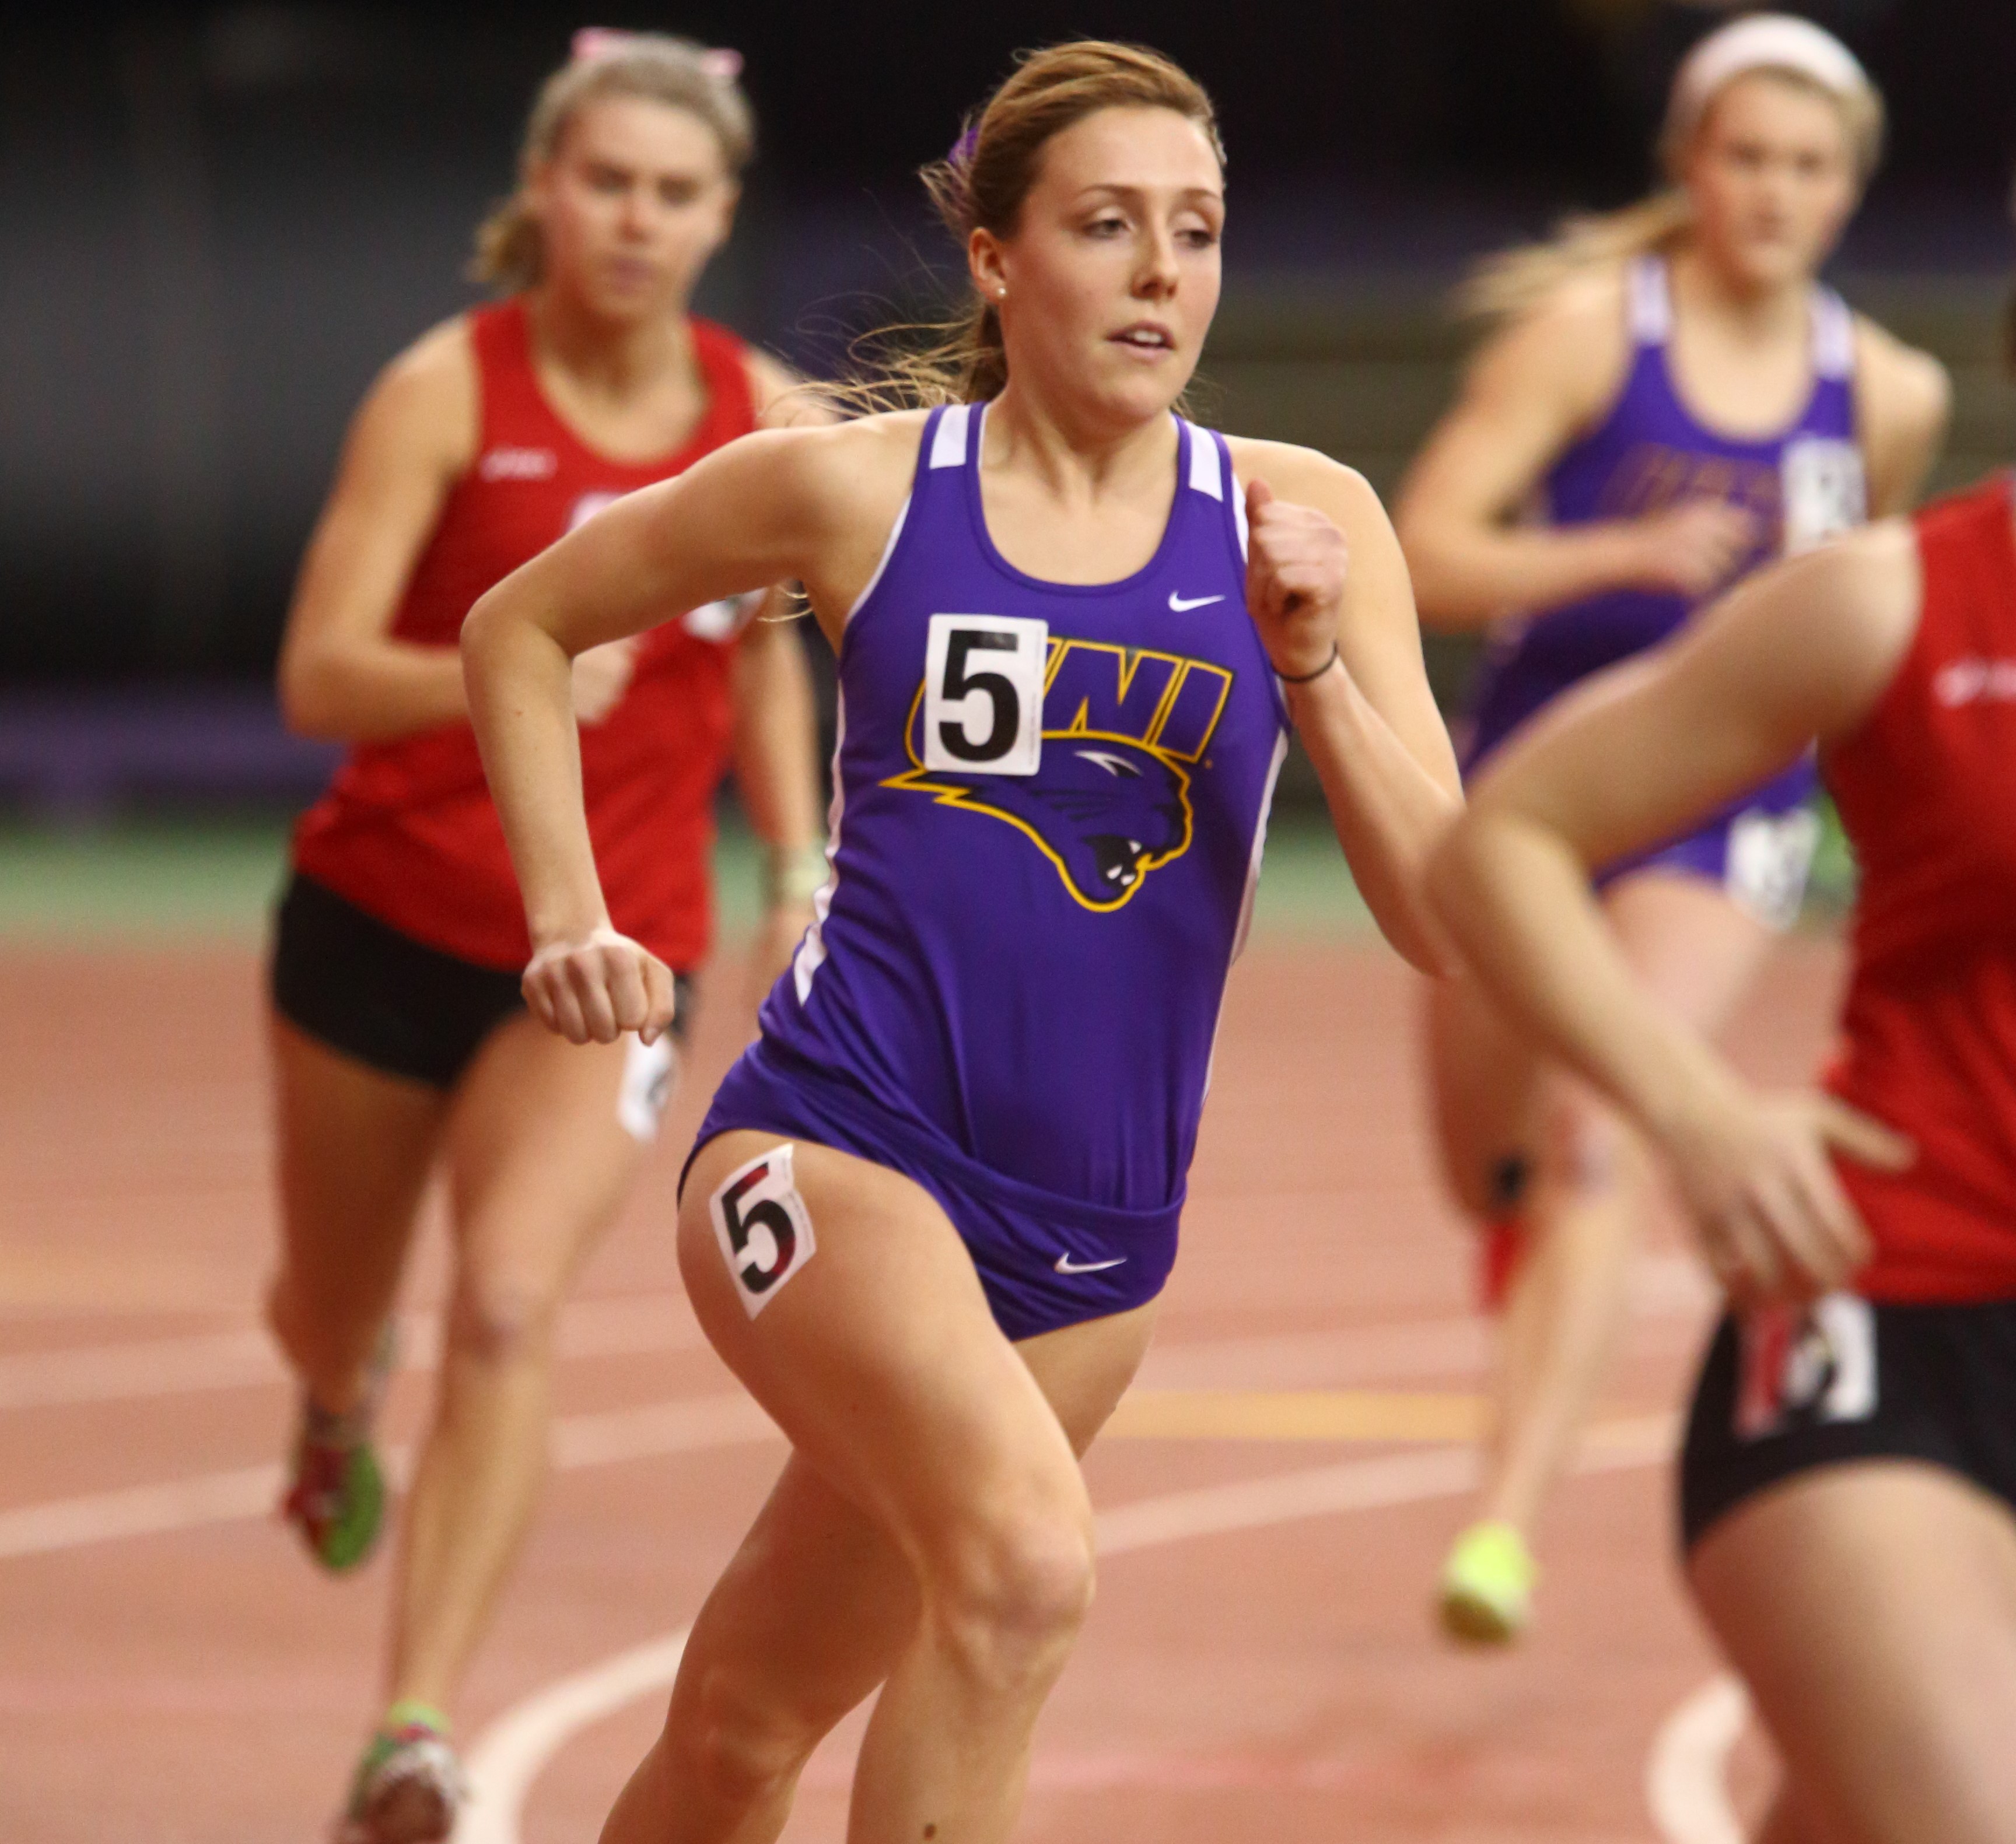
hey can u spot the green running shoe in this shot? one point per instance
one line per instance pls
(1487, 1586)
(336, 1488)
(410, 1786)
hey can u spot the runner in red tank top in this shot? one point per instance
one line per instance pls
(400, 1038)
(406, 831)
(1849, 1482)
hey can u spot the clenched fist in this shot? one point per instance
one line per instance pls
(594, 990)
(1296, 564)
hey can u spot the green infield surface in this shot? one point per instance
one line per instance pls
(192, 881)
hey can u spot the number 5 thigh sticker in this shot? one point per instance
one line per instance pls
(984, 693)
(762, 1224)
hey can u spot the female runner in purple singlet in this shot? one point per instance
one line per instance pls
(929, 1213)
(1681, 400)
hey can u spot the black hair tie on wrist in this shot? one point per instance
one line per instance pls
(1303, 678)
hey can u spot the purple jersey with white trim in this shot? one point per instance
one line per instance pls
(1649, 454)
(1049, 804)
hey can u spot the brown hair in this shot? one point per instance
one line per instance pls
(510, 254)
(981, 183)
(1514, 282)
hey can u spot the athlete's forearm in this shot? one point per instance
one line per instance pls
(520, 683)
(1517, 902)
(373, 692)
(1466, 575)
(1389, 810)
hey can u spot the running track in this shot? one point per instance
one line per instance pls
(1274, 1499)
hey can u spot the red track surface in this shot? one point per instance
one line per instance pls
(1280, 1682)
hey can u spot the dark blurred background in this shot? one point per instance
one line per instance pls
(216, 224)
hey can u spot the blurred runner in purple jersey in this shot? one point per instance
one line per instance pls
(1669, 398)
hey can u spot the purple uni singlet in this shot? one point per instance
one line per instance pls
(1049, 805)
(1649, 454)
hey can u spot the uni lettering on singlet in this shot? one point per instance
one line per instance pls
(1105, 794)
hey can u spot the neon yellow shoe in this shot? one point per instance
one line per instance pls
(1487, 1587)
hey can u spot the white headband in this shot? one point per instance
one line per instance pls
(1764, 41)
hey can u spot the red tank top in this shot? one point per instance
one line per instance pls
(1927, 789)
(407, 831)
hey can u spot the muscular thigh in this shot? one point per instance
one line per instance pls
(1871, 1607)
(769, 1637)
(876, 1350)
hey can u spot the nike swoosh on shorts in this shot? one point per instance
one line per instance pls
(1066, 1266)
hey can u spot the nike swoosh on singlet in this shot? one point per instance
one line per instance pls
(1181, 603)
(1066, 1266)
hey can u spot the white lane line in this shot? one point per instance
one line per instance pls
(677, 1427)
(1663, 1286)
(1336, 1360)
(1686, 1775)
(613, 1328)
(1247, 1504)
(139, 1511)
(151, 1367)
(508, 1756)
(685, 1425)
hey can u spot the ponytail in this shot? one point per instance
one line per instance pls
(1513, 282)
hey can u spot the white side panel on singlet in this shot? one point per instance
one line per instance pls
(812, 951)
(1650, 311)
(948, 445)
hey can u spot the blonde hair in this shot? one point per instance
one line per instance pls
(981, 184)
(510, 252)
(1513, 283)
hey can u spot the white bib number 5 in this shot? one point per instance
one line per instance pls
(984, 693)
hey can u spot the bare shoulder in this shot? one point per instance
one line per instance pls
(1308, 478)
(857, 465)
(847, 481)
(426, 401)
(1913, 388)
(441, 364)
(1570, 347)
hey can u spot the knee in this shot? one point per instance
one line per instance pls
(740, 1750)
(499, 1322)
(1011, 1596)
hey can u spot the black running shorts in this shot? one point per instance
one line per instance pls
(362, 987)
(1786, 1389)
